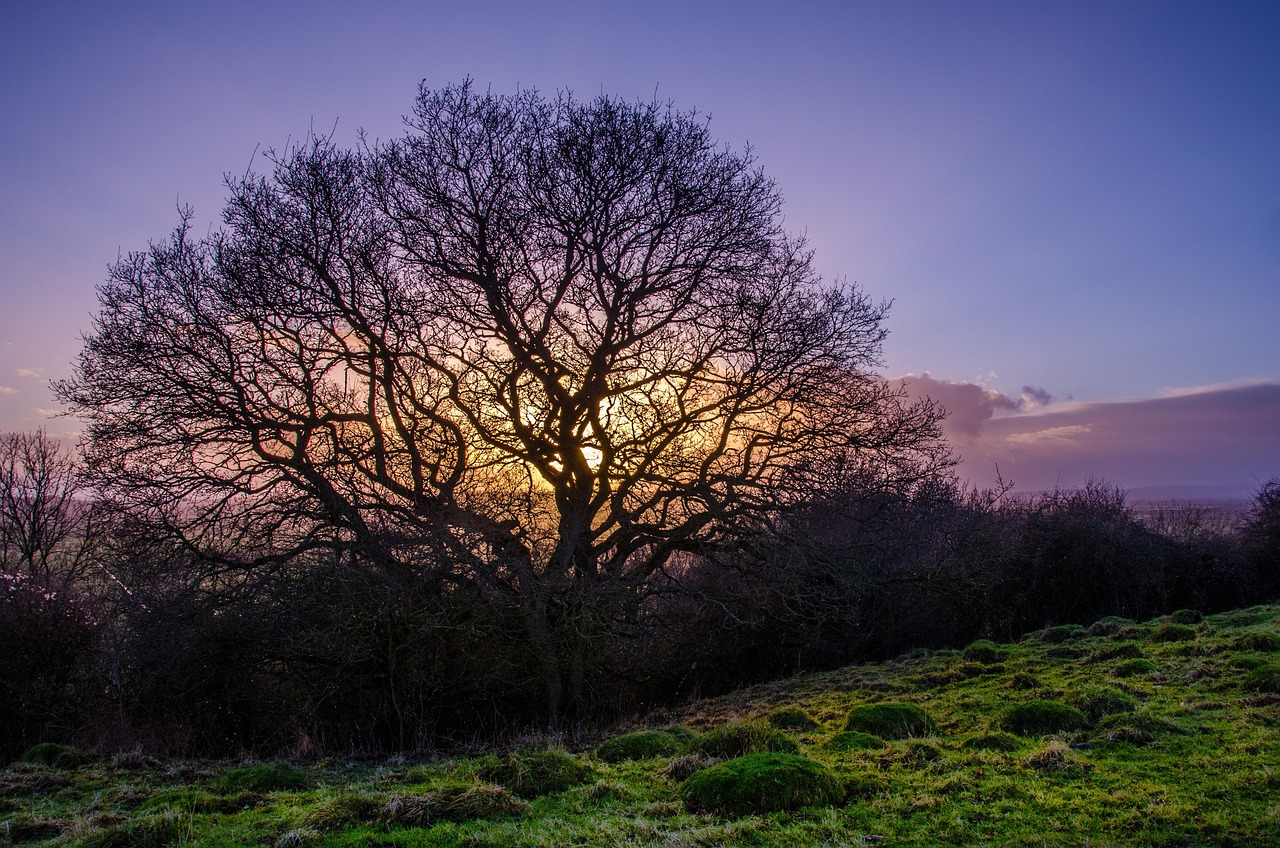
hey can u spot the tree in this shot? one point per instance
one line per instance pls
(541, 349)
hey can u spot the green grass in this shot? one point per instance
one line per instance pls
(1178, 747)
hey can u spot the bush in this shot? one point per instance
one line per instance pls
(1003, 742)
(1264, 679)
(538, 773)
(762, 783)
(890, 720)
(58, 756)
(1110, 626)
(1133, 668)
(853, 740)
(736, 740)
(1099, 702)
(983, 651)
(1041, 717)
(791, 718)
(1171, 632)
(455, 803)
(264, 777)
(1186, 616)
(641, 745)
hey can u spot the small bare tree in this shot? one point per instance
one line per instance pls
(43, 526)
(538, 347)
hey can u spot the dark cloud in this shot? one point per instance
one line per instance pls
(1216, 435)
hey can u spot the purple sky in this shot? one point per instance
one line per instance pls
(1078, 198)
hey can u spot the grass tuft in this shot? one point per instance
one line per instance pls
(641, 745)
(739, 739)
(1042, 718)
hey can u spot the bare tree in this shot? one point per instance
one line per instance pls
(43, 527)
(538, 347)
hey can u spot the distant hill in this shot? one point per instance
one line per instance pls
(1240, 494)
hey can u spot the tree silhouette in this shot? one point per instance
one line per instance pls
(545, 349)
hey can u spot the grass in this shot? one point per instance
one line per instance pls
(1180, 750)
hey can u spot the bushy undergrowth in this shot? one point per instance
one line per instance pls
(1180, 756)
(762, 783)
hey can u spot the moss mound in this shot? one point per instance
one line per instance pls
(1186, 616)
(889, 720)
(736, 740)
(1003, 742)
(1062, 633)
(1173, 632)
(762, 783)
(791, 718)
(537, 773)
(1110, 626)
(1123, 651)
(56, 755)
(1041, 718)
(264, 777)
(1257, 642)
(454, 803)
(1264, 679)
(853, 740)
(983, 651)
(1097, 702)
(641, 745)
(1133, 668)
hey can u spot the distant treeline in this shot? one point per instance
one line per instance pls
(114, 635)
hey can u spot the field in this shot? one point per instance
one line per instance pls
(1164, 733)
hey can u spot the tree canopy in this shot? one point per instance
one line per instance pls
(539, 348)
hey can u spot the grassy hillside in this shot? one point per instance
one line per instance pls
(1165, 733)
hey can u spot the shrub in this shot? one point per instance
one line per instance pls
(791, 718)
(736, 740)
(537, 773)
(1264, 679)
(1186, 616)
(983, 651)
(641, 745)
(1097, 702)
(1171, 632)
(853, 740)
(1062, 633)
(1041, 717)
(1110, 626)
(1133, 668)
(264, 777)
(58, 756)
(1003, 742)
(889, 720)
(762, 783)
(455, 803)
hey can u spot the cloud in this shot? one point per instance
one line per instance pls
(1228, 434)
(30, 372)
(970, 405)
(8, 390)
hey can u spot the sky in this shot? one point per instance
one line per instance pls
(1074, 206)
